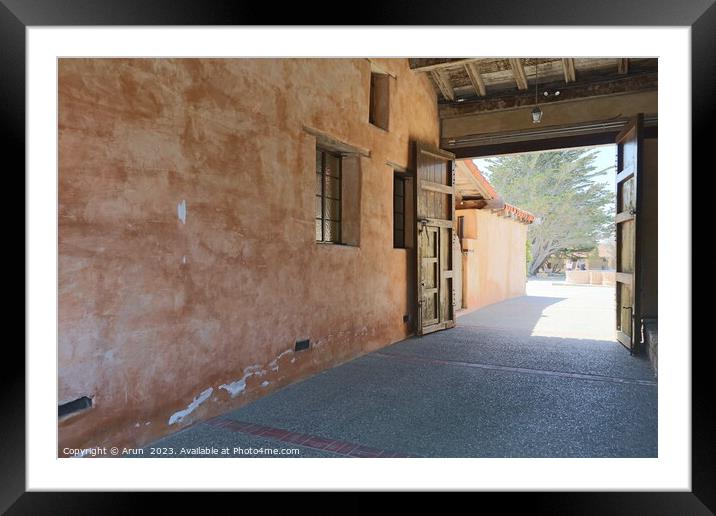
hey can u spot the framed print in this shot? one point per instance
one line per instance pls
(427, 238)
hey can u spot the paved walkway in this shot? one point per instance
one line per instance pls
(534, 376)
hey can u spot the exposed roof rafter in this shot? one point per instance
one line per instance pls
(518, 70)
(476, 79)
(443, 83)
(570, 74)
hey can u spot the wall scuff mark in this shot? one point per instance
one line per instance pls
(177, 417)
(181, 211)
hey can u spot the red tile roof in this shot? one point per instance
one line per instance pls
(518, 213)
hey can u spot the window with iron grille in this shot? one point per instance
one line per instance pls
(398, 211)
(328, 196)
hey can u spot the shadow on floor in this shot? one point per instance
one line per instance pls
(519, 314)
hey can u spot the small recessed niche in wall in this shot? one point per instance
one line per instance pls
(302, 345)
(379, 99)
(74, 406)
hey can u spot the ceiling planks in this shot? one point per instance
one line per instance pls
(623, 66)
(432, 64)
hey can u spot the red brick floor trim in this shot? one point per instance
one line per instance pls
(344, 448)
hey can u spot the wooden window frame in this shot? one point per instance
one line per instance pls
(402, 178)
(322, 194)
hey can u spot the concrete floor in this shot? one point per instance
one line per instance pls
(535, 376)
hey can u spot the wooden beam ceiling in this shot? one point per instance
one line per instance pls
(476, 79)
(518, 71)
(570, 74)
(573, 91)
(623, 66)
(443, 82)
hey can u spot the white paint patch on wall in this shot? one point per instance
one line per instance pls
(178, 416)
(265, 383)
(181, 211)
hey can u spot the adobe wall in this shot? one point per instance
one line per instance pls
(188, 265)
(494, 264)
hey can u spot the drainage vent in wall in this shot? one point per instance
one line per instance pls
(77, 405)
(302, 344)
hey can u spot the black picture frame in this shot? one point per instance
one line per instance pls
(17, 15)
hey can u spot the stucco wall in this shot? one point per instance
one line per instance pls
(157, 313)
(494, 259)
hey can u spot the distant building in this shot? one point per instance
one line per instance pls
(492, 237)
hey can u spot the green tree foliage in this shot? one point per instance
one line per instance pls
(571, 209)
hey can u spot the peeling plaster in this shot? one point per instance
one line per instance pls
(274, 363)
(178, 416)
(181, 211)
(239, 386)
(265, 383)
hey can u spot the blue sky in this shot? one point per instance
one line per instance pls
(605, 158)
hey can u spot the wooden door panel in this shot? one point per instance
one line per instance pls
(429, 246)
(628, 192)
(435, 214)
(626, 243)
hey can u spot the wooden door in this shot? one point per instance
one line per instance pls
(628, 192)
(435, 215)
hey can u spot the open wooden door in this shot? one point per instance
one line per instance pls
(435, 215)
(628, 190)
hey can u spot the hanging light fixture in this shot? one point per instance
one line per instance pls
(536, 111)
